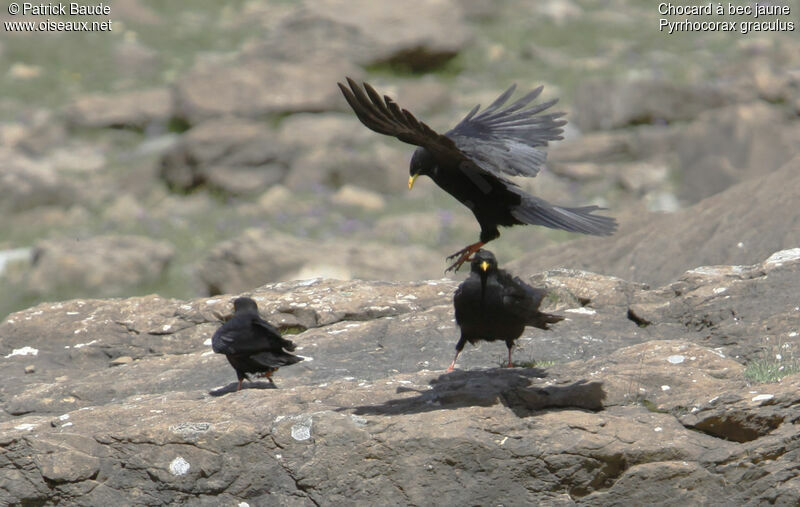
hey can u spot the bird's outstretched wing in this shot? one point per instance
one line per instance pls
(384, 116)
(509, 140)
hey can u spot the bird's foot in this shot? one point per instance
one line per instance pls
(464, 255)
(451, 368)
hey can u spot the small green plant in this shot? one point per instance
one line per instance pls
(766, 370)
(777, 361)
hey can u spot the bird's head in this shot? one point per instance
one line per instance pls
(422, 162)
(244, 304)
(483, 263)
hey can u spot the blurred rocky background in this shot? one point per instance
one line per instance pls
(202, 148)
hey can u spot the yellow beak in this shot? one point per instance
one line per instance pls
(411, 180)
(484, 266)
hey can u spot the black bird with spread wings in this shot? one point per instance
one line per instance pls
(472, 161)
(492, 305)
(251, 344)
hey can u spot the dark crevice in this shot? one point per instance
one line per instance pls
(640, 321)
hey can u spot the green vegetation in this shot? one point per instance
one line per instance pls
(771, 369)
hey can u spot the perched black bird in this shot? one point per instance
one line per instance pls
(251, 344)
(472, 161)
(491, 305)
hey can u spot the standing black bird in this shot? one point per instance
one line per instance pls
(251, 344)
(471, 161)
(491, 305)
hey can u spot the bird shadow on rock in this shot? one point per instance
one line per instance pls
(513, 387)
(231, 388)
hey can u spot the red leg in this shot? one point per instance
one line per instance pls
(510, 364)
(453, 364)
(239, 387)
(465, 254)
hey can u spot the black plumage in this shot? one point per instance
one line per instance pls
(492, 305)
(473, 160)
(251, 344)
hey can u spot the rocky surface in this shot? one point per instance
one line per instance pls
(741, 225)
(125, 395)
(260, 256)
(100, 265)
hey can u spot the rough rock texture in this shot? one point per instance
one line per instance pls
(235, 156)
(132, 109)
(101, 265)
(260, 256)
(742, 225)
(123, 397)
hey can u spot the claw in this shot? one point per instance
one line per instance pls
(465, 254)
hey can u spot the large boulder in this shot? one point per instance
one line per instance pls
(125, 395)
(742, 225)
(132, 109)
(235, 156)
(260, 256)
(257, 88)
(417, 34)
(100, 265)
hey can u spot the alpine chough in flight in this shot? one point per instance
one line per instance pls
(251, 344)
(492, 305)
(472, 161)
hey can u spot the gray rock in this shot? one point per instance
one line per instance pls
(607, 104)
(26, 183)
(640, 418)
(236, 156)
(742, 225)
(101, 265)
(261, 256)
(133, 109)
(416, 34)
(256, 87)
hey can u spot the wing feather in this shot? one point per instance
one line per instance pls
(509, 140)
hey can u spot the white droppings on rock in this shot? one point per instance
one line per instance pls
(719, 290)
(676, 359)
(24, 351)
(658, 429)
(207, 343)
(66, 425)
(712, 400)
(245, 504)
(179, 466)
(325, 384)
(358, 420)
(25, 427)
(212, 301)
(73, 313)
(763, 397)
(740, 245)
(302, 430)
(694, 409)
(166, 327)
(718, 352)
(81, 345)
(582, 310)
(665, 388)
(63, 417)
(793, 334)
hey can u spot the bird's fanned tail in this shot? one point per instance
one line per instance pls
(538, 212)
